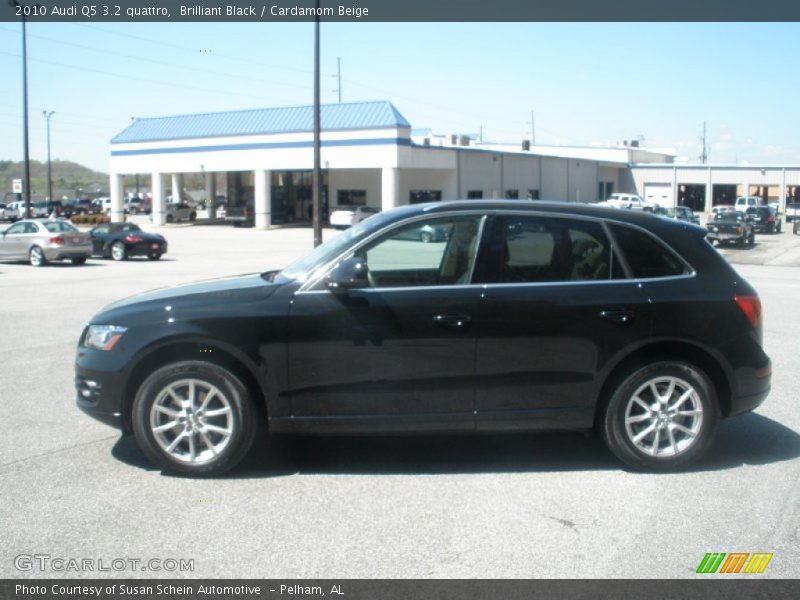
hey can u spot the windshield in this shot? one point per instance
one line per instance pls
(301, 269)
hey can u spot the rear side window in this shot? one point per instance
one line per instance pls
(59, 227)
(646, 257)
(534, 249)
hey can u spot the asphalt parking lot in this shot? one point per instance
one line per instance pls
(547, 505)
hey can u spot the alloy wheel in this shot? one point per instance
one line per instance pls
(192, 421)
(663, 417)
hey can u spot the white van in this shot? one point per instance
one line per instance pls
(745, 202)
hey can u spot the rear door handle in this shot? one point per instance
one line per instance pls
(620, 316)
(452, 320)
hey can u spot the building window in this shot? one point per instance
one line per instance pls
(358, 197)
(533, 194)
(420, 196)
(512, 194)
(474, 194)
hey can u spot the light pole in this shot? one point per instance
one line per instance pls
(317, 181)
(27, 190)
(133, 119)
(47, 114)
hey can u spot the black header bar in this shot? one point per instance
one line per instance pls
(276, 11)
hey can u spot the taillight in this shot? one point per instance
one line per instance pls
(133, 239)
(57, 240)
(751, 307)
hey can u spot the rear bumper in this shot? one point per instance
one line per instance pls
(753, 387)
(147, 248)
(62, 252)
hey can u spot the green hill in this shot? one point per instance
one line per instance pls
(67, 177)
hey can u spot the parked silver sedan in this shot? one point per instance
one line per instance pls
(41, 240)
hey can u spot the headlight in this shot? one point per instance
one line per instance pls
(103, 337)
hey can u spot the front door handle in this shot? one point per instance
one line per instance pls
(453, 320)
(619, 316)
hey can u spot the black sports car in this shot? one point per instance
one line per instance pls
(121, 240)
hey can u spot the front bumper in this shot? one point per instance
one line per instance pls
(98, 392)
(724, 237)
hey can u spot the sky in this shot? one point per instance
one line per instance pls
(586, 83)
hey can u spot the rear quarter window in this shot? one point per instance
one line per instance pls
(646, 256)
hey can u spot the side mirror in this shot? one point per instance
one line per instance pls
(349, 274)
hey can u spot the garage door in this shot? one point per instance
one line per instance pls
(659, 193)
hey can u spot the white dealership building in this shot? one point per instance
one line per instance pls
(370, 155)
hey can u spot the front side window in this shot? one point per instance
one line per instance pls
(354, 197)
(18, 228)
(534, 249)
(646, 257)
(439, 251)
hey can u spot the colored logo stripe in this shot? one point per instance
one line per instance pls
(734, 563)
(711, 562)
(758, 563)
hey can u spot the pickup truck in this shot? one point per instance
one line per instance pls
(792, 211)
(631, 201)
(732, 227)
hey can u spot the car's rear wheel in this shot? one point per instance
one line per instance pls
(170, 218)
(192, 216)
(36, 257)
(154, 255)
(194, 417)
(661, 417)
(118, 251)
(78, 260)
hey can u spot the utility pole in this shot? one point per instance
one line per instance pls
(317, 181)
(533, 130)
(25, 151)
(137, 174)
(704, 154)
(338, 78)
(47, 115)
(480, 136)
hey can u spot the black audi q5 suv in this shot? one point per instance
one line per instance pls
(521, 316)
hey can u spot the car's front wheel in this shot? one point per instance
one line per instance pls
(194, 417)
(79, 260)
(661, 417)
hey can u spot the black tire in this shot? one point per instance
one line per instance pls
(240, 420)
(118, 251)
(170, 218)
(192, 216)
(36, 257)
(154, 256)
(680, 450)
(752, 240)
(81, 260)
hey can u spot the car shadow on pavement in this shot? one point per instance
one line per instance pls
(750, 439)
(747, 440)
